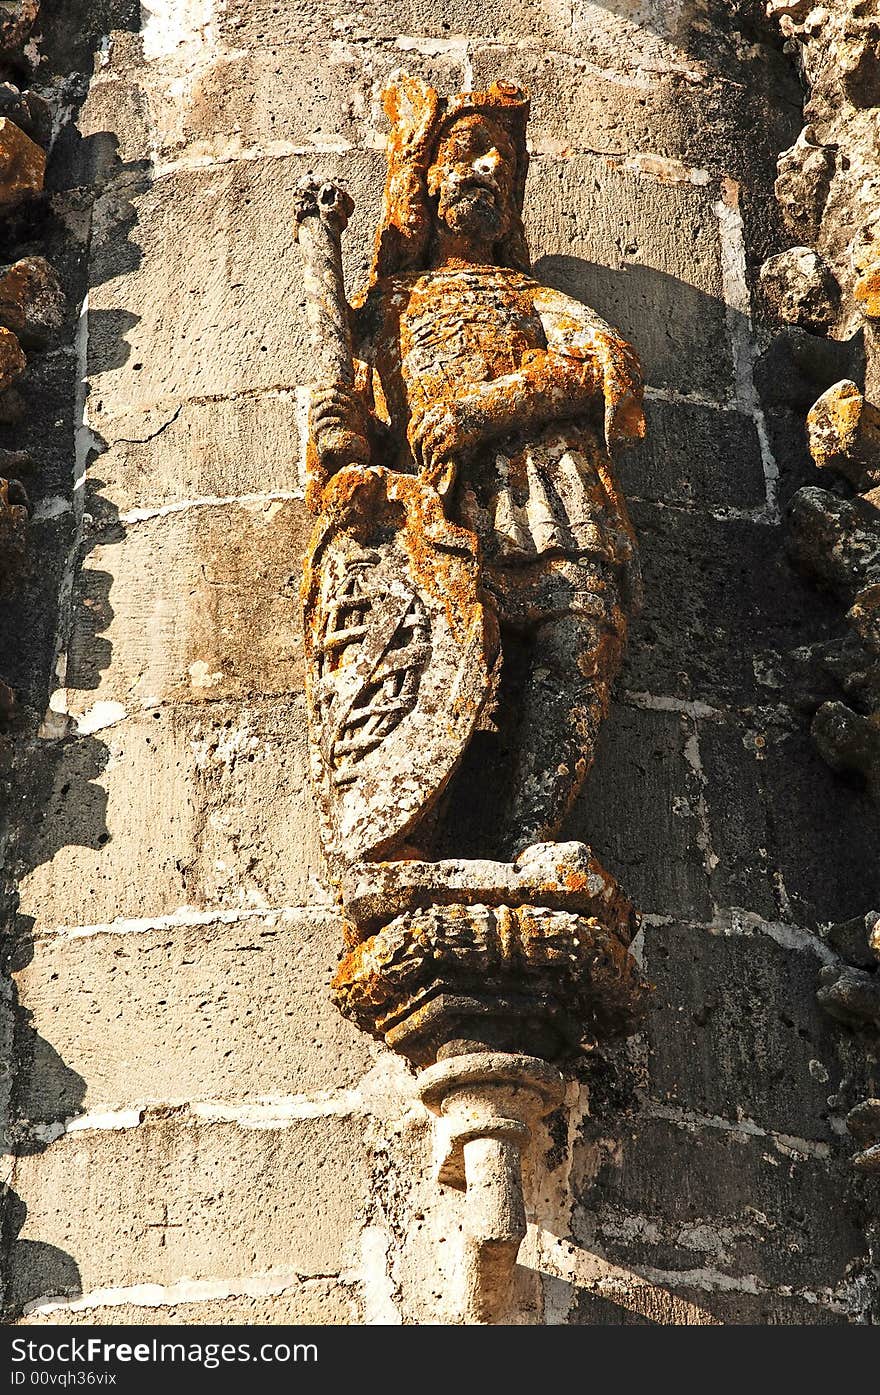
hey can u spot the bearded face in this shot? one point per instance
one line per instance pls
(472, 178)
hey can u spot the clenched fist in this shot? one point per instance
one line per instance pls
(338, 420)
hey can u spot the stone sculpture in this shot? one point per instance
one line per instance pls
(466, 597)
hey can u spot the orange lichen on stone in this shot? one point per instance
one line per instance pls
(865, 260)
(22, 165)
(576, 974)
(844, 434)
(32, 301)
(12, 359)
(487, 505)
(867, 292)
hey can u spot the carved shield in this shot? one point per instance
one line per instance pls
(399, 651)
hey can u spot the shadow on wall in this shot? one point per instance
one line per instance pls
(727, 622)
(55, 799)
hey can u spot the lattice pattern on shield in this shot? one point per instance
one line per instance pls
(390, 690)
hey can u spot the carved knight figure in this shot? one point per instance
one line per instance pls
(502, 396)
(465, 596)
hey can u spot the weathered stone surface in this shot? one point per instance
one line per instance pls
(857, 940)
(13, 531)
(849, 741)
(222, 816)
(679, 1305)
(849, 991)
(202, 449)
(722, 605)
(193, 606)
(850, 995)
(844, 434)
(804, 174)
(865, 262)
(23, 165)
(834, 539)
(743, 850)
(828, 180)
(695, 455)
(12, 360)
(701, 815)
(528, 979)
(640, 812)
(322, 1302)
(563, 876)
(32, 301)
(162, 280)
(189, 1199)
(733, 1031)
(634, 1209)
(46, 429)
(646, 256)
(801, 289)
(791, 805)
(29, 619)
(266, 24)
(234, 1011)
(29, 111)
(229, 99)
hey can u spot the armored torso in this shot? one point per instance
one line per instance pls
(547, 491)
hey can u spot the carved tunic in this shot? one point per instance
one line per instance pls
(544, 494)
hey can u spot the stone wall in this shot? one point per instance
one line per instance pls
(195, 1134)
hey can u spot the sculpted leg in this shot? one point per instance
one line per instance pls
(574, 662)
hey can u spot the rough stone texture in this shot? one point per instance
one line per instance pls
(23, 164)
(215, 1003)
(643, 793)
(801, 289)
(828, 180)
(191, 607)
(709, 1153)
(199, 449)
(32, 301)
(205, 1200)
(793, 1071)
(320, 1302)
(222, 816)
(695, 455)
(638, 1216)
(647, 1305)
(645, 255)
(12, 360)
(849, 992)
(177, 289)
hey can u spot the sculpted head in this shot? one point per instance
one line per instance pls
(455, 165)
(471, 178)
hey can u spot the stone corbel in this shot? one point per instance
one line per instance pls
(465, 976)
